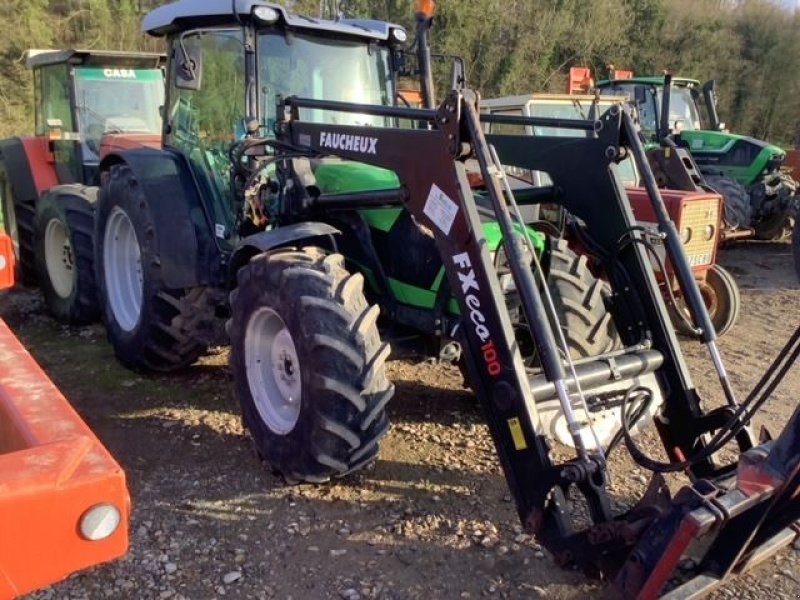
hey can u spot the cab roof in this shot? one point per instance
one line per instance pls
(681, 81)
(189, 14)
(94, 58)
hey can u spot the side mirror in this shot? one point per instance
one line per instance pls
(188, 67)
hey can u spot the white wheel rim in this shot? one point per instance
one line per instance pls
(59, 258)
(273, 370)
(122, 266)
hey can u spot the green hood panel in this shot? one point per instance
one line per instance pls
(342, 177)
(351, 177)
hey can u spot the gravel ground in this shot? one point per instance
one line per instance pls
(431, 519)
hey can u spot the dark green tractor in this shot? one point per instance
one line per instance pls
(759, 194)
(186, 235)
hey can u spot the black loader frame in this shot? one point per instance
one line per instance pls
(750, 507)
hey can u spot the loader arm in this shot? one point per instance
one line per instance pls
(434, 188)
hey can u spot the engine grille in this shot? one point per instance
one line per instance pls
(696, 215)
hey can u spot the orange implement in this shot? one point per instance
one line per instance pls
(64, 505)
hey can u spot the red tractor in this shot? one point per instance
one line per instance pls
(87, 104)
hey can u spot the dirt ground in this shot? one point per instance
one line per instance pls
(431, 519)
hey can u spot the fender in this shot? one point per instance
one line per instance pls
(27, 167)
(185, 237)
(264, 241)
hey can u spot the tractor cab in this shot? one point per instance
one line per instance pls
(91, 102)
(228, 71)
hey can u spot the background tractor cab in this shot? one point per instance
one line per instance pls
(88, 104)
(86, 101)
(697, 214)
(759, 194)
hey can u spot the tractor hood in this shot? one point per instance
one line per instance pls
(743, 157)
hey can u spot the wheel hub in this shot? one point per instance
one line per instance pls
(59, 258)
(273, 370)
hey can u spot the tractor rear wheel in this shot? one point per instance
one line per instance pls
(737, 210)
(150, 326)
(581, 301)
(308, 364)
(721, 295)
(18, 222)
(64, 234)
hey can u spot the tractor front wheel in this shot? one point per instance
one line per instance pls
(150, 325)
(308, 364)
(64, 234)
(721, 295)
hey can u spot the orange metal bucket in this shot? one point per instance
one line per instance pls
(59, 487)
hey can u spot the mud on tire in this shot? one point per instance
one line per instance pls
(335, 366)
(64, 234)
(150, 326)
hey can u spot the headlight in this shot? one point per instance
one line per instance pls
(399, 35)
(266, 15)
(708, 232)
(686, 234)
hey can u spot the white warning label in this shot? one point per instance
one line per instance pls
(440, 209)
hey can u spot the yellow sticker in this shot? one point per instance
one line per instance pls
(516, 434)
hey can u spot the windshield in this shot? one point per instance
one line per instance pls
(117, 101)
(681, 108)
(323, 69)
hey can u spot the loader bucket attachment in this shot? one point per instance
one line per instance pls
(64, 505)
(728, 525)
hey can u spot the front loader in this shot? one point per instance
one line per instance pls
(315, 213)
(87, 104)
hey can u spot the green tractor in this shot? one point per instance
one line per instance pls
(759, 194)
(185, 235)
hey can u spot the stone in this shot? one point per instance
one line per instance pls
(231, 577)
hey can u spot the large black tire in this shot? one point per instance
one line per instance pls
(150, 326)
(737, 209)
(18, 222)
(64, 234)
(582, 302)
(723, 301)
(773, 200)
(327, 419)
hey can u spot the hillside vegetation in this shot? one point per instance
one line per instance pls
(751, 47)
